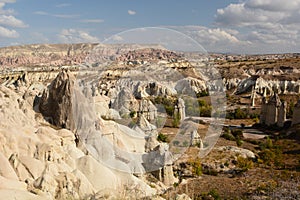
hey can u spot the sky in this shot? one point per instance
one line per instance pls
(223, 26)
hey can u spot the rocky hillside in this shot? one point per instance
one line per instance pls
(82, 121)
(73, 54)
(44, 54)
(265, 76)
(62, 136)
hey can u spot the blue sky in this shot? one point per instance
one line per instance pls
(241, 26)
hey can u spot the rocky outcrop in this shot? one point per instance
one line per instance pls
(179, 110)
(228, 156)
(296, 114)
(190, 86)
(147, 109)
(147, 55)
(273, 112)
(55, 102)
(44, 54)
(40, 162)
(267, 86)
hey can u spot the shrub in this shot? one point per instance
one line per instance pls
(239, 142)
(205, 111)
(203, 93)
(267, 145)
(244, 163)
(271, 157)
(162, 138)
(237, 133)
(211, 172)
(176, 143)
(185, 143)
(168, 103)
(176, 121)
(169, 109)
(196, 166)
(239, 114)
(214, 194)
(228, 136)
(132, 114)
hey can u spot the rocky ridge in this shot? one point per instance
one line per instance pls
(282, 78)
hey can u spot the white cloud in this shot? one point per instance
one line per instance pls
(269, 25)
(131, 12)
(40, 13)
(65, 16)
(4, 32)
(62, 5)
(7, 1)
(76, 36)
(214, 39)
(9, 20)
(274, 5)
(240, 15)
(92, 20)
(5, 12)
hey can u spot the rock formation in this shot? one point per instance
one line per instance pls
(196, 139)
(179, 110)
(48, 54)
(273, 112)
(296, 114)
(40, 161)
(55, 103)
(147, 109)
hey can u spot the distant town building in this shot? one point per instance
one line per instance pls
(273, 112)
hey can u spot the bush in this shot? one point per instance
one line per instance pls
(132, 114)
(244, 163)
(237, 133)
(176, 121)
(205, 111)
(162, 138)
(185, 143)
(239, 142)
(237, 114)
(214, 194)
(196, 166)
(176, 143)
(169, 109)
(228, 136)
(168, 103)
(211, 172)
(271, 157)
(267, 145)
(203, 93)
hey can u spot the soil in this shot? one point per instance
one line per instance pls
(262, 181)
